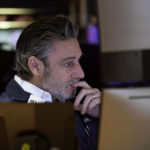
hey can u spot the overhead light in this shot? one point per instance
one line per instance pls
(17, 11)
(14, 24)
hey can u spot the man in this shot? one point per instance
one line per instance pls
(47, 62)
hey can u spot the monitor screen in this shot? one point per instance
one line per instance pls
(125, 119)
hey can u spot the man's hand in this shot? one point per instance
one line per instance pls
(91, 99)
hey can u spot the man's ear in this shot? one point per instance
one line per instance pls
(36, 66)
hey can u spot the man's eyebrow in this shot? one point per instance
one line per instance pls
(65, 59)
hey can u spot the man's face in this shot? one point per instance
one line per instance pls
(63, 70)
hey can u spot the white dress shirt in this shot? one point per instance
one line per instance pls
(37, 94)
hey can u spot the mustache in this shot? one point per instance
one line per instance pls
(72, 82)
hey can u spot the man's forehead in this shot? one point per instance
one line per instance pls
(67, 44)
(67, 48)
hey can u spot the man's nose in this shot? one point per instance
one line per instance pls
(78, 72)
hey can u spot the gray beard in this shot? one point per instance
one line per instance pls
(62, 96)
(58, 93)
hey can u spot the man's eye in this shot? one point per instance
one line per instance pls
(67, 65)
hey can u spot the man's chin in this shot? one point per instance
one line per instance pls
(72, 92)
(66, 95)
(69, 96)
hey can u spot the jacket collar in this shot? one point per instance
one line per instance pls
(16, 93)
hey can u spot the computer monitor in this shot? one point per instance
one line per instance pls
(55, 122)
(3, 135)
(125, 119)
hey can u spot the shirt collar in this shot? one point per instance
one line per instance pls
(34, 90)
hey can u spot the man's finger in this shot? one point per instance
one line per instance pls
(93, 103)
(84, 92)
(94, 108)
(88, 100)
(77, 107)
(82, 84)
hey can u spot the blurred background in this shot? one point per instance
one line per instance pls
(114, 37)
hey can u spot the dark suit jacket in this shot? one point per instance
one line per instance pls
(88, 141)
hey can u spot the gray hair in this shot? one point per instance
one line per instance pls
(37, 39)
